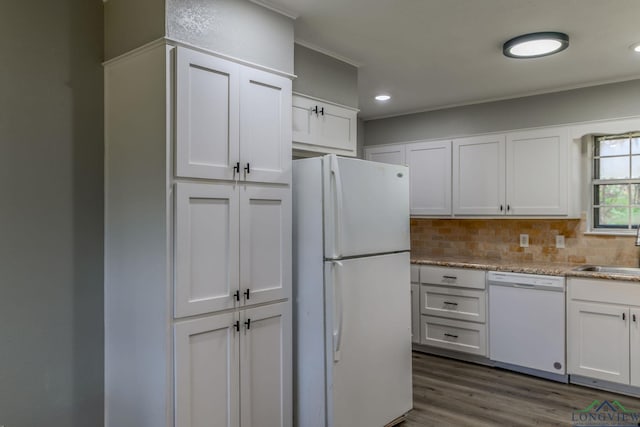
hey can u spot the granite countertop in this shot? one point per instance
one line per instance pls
(550, 269)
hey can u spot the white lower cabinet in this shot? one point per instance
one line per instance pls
(453, 306)
(599, 341)
(231, 369)
(603, 330)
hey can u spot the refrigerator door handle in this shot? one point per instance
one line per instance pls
(335, 172)
(337, 296)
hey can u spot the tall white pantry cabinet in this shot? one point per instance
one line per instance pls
(197, 241)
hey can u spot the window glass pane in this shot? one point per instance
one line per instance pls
(634, 193)
(635, 166)
(614, 168)
(635, 145)
(612, 216)
(612, 194)
(635, 217)
(613, 147)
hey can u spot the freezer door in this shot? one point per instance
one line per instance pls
(368, 327)
(366, 207)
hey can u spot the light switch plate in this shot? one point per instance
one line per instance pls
(559, 241)
(524, 240)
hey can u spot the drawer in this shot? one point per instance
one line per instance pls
(460, 277)
(604, 291)
(454, 303)
(415, 273)
(467, 337)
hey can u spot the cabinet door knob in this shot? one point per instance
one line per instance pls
(501, 208)
(237, 325)
(321, 111)
(624, 316)
(247, 168)
(247, 293)
(315, 110)
(236, 168)
(248, 323)
(508, 208)
(236, 295)
(633, 317)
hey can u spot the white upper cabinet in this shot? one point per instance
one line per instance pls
(232, 121)
(265, 126)
(479, 175)
(429, 177)
(537, 172)
(207, 115)
(518, 173)
(323, 127)
(393, 154)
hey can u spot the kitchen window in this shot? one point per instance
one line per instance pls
(616, 182)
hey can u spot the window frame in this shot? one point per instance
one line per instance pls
(593, 166)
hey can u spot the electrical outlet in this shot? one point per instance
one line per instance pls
(560, 241)
(524, 240)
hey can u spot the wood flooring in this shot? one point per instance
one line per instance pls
(453, 393)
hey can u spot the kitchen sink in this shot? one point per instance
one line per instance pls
(629, 271)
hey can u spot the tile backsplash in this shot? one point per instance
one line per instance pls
(499, 239)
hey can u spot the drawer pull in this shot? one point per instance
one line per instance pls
(450, 303)
(624, 316)
(450, 335)
(450, 277)
(633, 317)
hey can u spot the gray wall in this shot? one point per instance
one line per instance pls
(132, 23)
(598, 102)
(51, 268)
(325, 77)
(237, 28)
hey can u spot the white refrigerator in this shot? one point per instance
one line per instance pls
(352, 293)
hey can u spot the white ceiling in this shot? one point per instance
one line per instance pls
(431, 54)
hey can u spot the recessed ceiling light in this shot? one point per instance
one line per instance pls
(535, 45)
(383, 97)
(635, 47)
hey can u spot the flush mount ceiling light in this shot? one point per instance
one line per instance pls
(635, 47)
(383, 97)
(535, 45)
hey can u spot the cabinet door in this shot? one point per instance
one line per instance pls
(635, 347)
(598, 341)
(206, 247)
(336, 129)
(265, 367)
(430, 177)
(393, 154)
(478, 175)
(207, 372)
(207, 111)
(265, 243)
(537, 172)
(265, 126)
(415, 313)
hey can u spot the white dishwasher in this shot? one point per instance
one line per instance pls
(527, 323)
